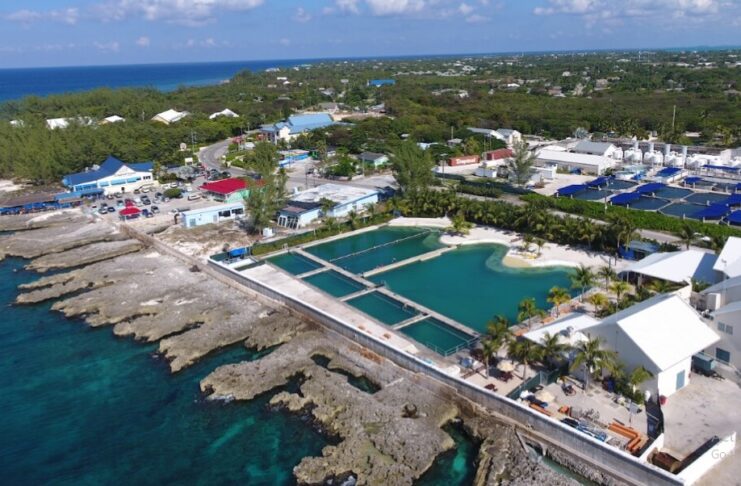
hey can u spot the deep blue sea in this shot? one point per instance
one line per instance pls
(17, 83)
(80, 406)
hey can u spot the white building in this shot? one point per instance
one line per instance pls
(170, 116)
(678, 267)
(225, 112)
(728, 264)
(296, 125)
(568, 161)
(506, 135)
(112, 119)
(111, 177)
(569, 330)
(602, 149)
(305, 207)
(55, 123)
(661, 334)
(212, 215)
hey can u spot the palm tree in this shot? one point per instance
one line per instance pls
(527, 309)
(591, 355)
(551, 349)
(527, 240)
(686, 235)
(558, 296)
(459, 225)
(622, 229)
(586, 231)
(717, 242)
(638, 376)
(608, 274)
(582, 278)
(540, 243)
(524, 351)
(499, 331)
(599, 301)
(352, 218)
(619, 287)
(489, 348)
(660, 286)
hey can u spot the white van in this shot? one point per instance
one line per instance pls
(194, 197)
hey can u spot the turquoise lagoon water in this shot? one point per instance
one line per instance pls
(80, 406)
(372, 249)
(471, 285)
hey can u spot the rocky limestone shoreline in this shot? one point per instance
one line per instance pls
(391, 436)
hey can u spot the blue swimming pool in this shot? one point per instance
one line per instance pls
(649, 203)
(705, 198)
(593, 195)
(682, 209)
(673, 193)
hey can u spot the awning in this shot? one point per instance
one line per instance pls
(625, 198)
(599, 182)
(692, 180)
(714, 211)
(734, 218)
(650, 188)
(572, 189)
(733, 200)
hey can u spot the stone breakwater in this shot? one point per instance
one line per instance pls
(391, 436)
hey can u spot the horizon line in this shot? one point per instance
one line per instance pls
(707, 48)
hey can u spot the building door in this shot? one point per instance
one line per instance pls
(680, 380)
(722, 355)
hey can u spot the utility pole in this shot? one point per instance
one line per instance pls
(674, 117)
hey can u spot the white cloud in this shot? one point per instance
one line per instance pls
(113, 46)
(301, 15)
(68, 16)
(477, 19)
(143, 41)
(347, 6)
(465, 9)
(186, 12)
(285, 42)
(395, 7)
(632, 8)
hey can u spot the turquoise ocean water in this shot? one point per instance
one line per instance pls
(80, 406)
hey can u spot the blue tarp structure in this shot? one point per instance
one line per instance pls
(692, 180)
(572, 189)
(599, 182)
(625, 198)
(237, 252)
(668, 171)
(714, 211)
(650, 188)
(733, 200)
(734, 218)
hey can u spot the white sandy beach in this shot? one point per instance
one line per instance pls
(551, 254)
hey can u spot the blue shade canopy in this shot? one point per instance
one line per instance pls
(572, 189)
(625, 198)
(714, 211)
(650, 187)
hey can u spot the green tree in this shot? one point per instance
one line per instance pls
(527, 309)
(521, 163)
(599, 301)
(412, 167)
(686, 235)
(551, 349)
(264, 200)
(489, 349)
(498, 330)
(637, 376)
(459, 225)
(582, 278)
(594, 358)
(558, 296)
(524, 351)
(619, 287)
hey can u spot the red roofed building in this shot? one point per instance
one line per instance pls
(230, 190)
(498, 154)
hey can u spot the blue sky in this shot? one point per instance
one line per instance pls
(82, 32)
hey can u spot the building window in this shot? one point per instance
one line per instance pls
(722, 355)
(726, 328)
(225, 214)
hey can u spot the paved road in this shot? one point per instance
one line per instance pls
(211, 157)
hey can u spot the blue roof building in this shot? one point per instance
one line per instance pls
(296, 125)
(111, 176)
(377, 83)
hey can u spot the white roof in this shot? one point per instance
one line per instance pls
(170, 116)
(723, 286)
(572, 158)
(113, 119)
(729, 260)
(664, 328)
(567, 328)
(677, 266)
(731, 308)
(225, 112)
(54, 123)
(334, 192)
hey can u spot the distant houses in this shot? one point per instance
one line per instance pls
(294, 126)
(225, 112)
(377, 160)
(507, 135)
(112, 119)
(60, 123)
(170, 116)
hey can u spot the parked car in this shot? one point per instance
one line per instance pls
(155, 210)
(111, 209)
(146, 213)
(119, 203)
(103, 211)
(570, 422)
(194, 197)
